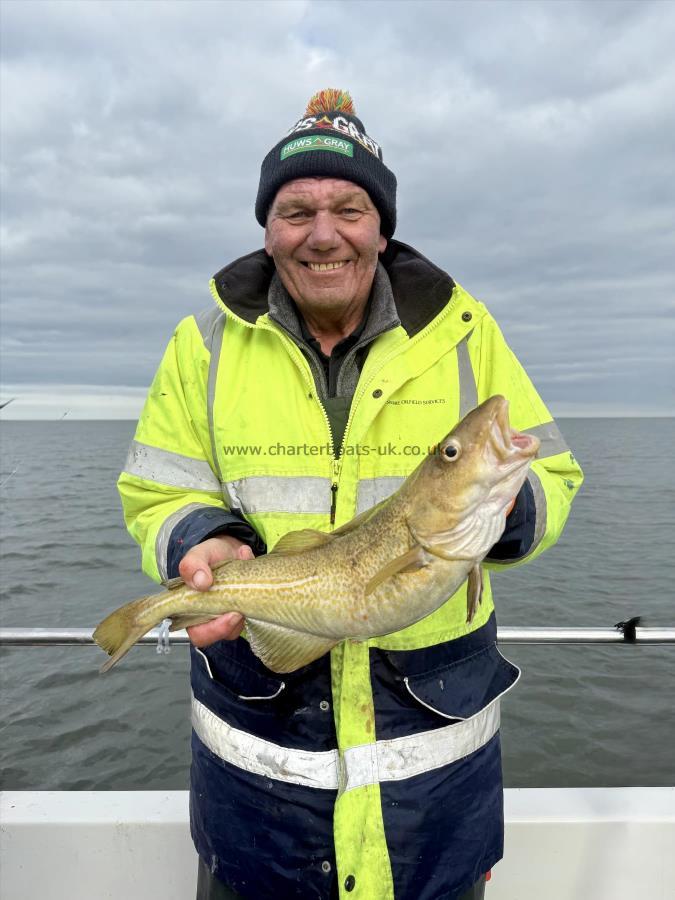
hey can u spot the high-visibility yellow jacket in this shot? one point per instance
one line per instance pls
(378, 766)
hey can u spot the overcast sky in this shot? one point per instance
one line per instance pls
(533, 144)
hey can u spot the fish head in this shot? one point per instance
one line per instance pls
(463, 489)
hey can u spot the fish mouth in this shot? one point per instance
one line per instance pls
(509, 444)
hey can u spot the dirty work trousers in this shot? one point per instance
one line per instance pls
(209, 888)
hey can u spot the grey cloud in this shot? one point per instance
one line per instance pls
(533, 144)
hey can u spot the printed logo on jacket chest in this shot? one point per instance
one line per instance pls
(430, 401)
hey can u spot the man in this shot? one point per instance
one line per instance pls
(375, 771)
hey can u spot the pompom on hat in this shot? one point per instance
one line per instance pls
(329, 140)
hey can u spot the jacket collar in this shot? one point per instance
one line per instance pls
(420, 289)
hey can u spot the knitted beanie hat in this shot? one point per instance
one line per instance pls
(329, 140)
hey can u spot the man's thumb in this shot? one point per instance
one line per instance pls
(201, 580)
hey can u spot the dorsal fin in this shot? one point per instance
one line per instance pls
(172, 583)
(358, 520)
(310, 538)
(299, 541)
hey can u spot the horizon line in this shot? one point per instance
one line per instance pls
(579, 415)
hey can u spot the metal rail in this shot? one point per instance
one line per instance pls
(624, 632)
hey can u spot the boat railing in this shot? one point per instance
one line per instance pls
(628, 632)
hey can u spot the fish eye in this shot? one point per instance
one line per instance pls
(451, 451)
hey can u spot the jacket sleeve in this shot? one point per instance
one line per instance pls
(543, 503)
(170, 490)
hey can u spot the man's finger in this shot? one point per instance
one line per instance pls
(224, 628)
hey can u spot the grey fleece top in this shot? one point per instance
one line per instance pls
(336, 377)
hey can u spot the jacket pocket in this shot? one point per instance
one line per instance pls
(418, 690)
(292, 710)
(230, 666)
(463, 688)
(234, 691)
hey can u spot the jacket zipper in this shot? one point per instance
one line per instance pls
(301, 363)
(336, 463)
(333, 502)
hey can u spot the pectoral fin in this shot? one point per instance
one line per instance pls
(413, 559)
(474, 592)
(284, 650)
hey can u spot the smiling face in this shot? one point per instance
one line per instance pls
(324, 237)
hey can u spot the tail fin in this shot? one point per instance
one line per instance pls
(120, 630)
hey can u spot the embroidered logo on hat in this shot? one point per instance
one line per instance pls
(341, 124)
(318, 142)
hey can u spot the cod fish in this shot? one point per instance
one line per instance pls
(384, 570)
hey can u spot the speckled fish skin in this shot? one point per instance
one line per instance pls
(385, 570)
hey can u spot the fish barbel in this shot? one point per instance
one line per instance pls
(384, 570)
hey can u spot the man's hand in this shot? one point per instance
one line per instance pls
(195, 570)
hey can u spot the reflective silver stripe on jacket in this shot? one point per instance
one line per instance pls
(468, 390)
(171, 469)
(540, 509)
(302, 493)
(210, 325)
(371, 491)
(392, 760)
(552, 441)
(164, 536)
(539, 520)
(215, 347)
(280, 493)
(261, 757)
(406, 757)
